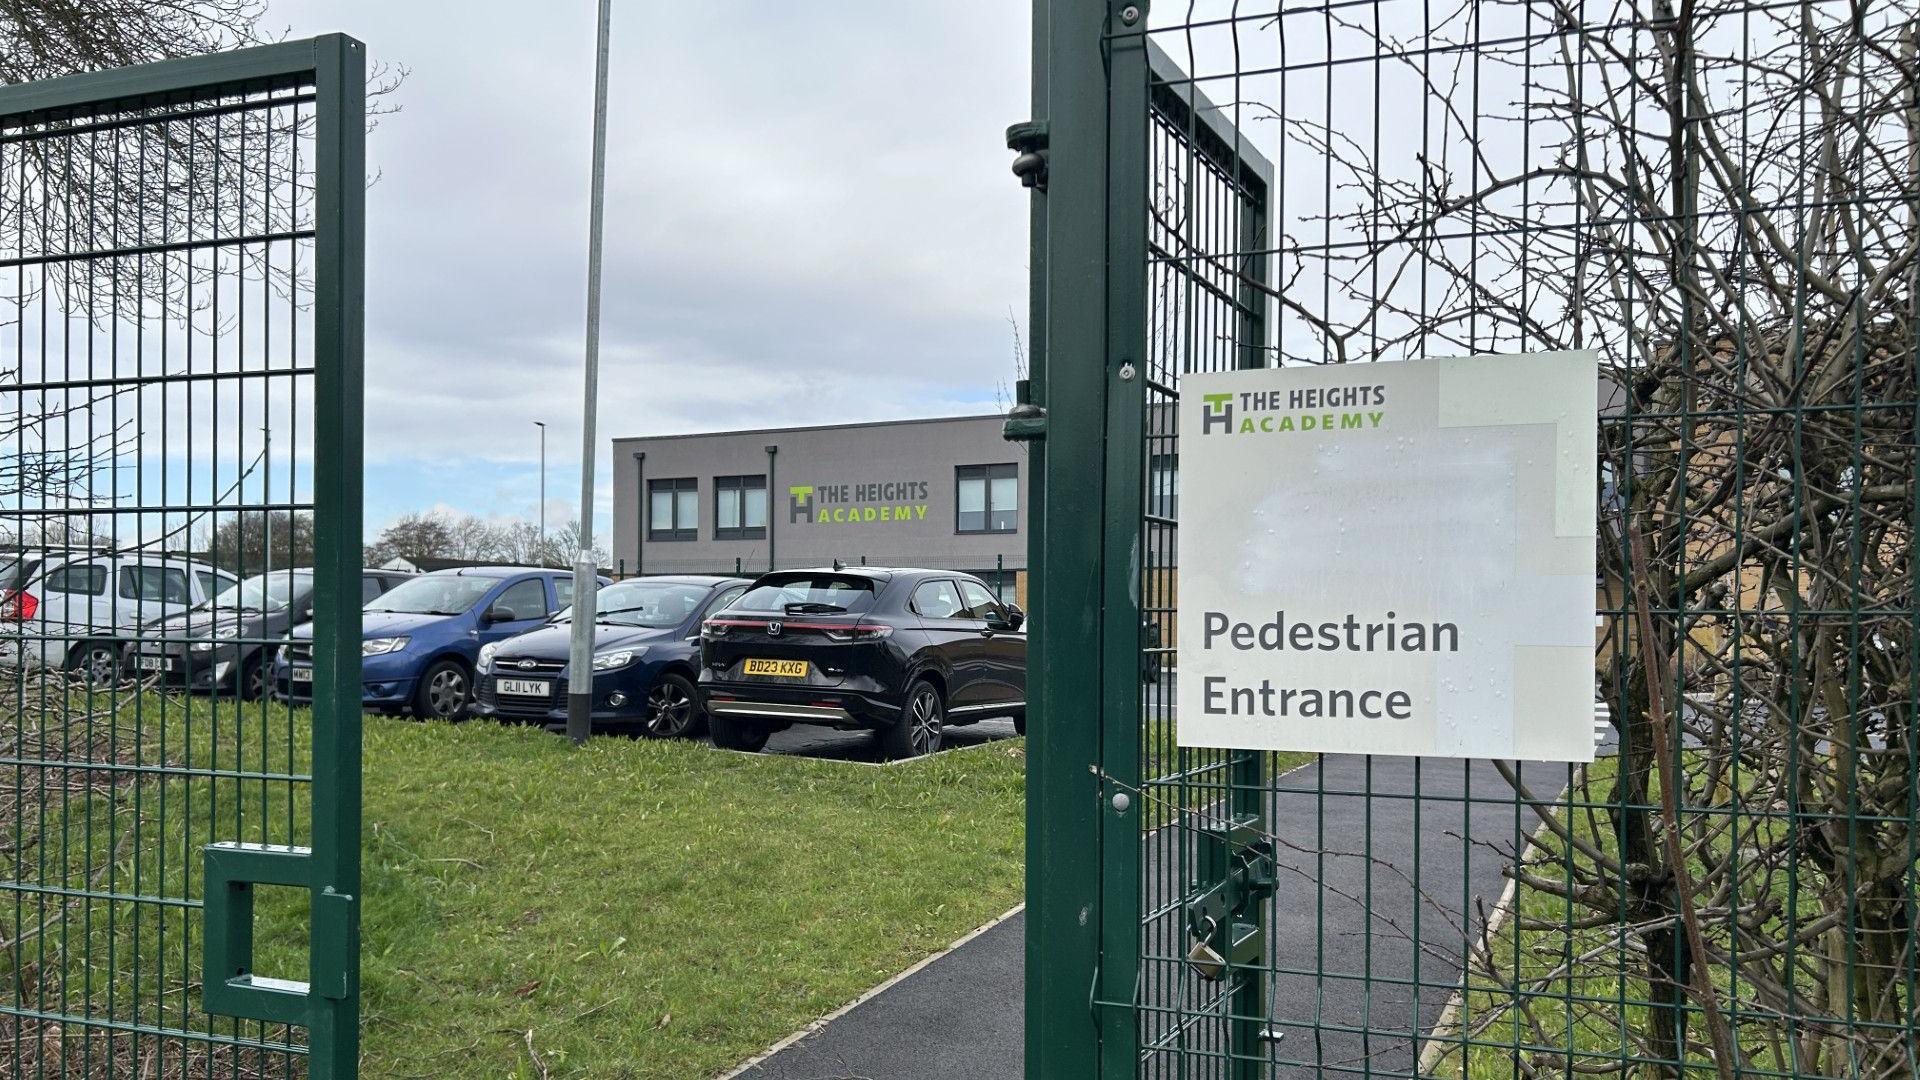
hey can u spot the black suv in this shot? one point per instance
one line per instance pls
(901, 652)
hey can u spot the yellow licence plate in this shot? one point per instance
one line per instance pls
(786, 669)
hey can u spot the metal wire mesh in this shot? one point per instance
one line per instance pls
(1724, 199)
(156, 448)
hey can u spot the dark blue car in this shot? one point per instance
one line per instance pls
(420, 642)
(646, 646)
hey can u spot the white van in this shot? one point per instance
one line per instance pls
(75, 610)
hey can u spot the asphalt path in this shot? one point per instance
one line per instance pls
(1373, 857)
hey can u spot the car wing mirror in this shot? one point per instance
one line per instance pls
(500, 613)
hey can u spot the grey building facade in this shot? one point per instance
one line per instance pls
(946, 493)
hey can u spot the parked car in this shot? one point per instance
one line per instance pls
(229, 642)
(76, 609)
(646, 651)
(419, 642)
(901, 652)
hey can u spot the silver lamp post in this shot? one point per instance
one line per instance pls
(585, 576)
(542, 425)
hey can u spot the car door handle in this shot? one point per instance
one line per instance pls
(987, 632)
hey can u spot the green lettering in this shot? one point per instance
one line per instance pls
(1351, 420)
(1375, 417)
(1286, 423)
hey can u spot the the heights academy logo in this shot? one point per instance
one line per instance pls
(848, 504)
(1273, 412)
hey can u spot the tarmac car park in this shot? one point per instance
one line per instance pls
(646, 649)
(902, 652)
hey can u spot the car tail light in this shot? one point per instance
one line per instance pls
(713, 629)
(858, 632)
(18, 606)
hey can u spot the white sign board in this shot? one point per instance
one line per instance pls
(1391, 558)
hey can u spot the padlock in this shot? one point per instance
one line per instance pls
(1207, 960)
(1203, 956)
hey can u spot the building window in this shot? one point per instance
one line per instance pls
(1004, 588)
(987, 498)
(1163, 486)
(740, 507)
(673, 509)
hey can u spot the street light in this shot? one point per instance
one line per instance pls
(580, 650)
(542, 425)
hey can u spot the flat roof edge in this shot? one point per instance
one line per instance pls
(811, 427)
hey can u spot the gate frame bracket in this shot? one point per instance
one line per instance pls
(230, 987)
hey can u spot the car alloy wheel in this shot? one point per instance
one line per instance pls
(100, 665)
(669, 710)
(923, 720)
(255, 680)
(447, 693)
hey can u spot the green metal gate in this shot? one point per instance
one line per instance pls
(180, 444)
(1721, 198)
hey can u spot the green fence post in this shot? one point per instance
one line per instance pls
(1122, 529)
(340, 65)
(1073, 367)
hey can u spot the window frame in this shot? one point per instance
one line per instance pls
(724, 596)
(997, 609)
(986, 475)
(540, 586)
(953, 588)
(1163, 485)
(739, 485)
(675, 532)
(93, 570)
(131, 572)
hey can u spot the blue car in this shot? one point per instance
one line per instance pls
(646, 648)
(420, 641)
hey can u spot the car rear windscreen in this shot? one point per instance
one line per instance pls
(818, 593)
(15, 571)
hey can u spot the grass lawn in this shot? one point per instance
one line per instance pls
(628, 910)
(654, 909)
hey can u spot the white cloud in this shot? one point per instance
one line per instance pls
(809, 215)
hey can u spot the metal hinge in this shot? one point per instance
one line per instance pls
(1028, 140)
(1026, 422)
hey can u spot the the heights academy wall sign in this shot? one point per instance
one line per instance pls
(1392, 558)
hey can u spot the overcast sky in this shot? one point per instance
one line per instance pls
(810, 219)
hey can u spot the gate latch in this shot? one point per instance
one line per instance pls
(1236, 873)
